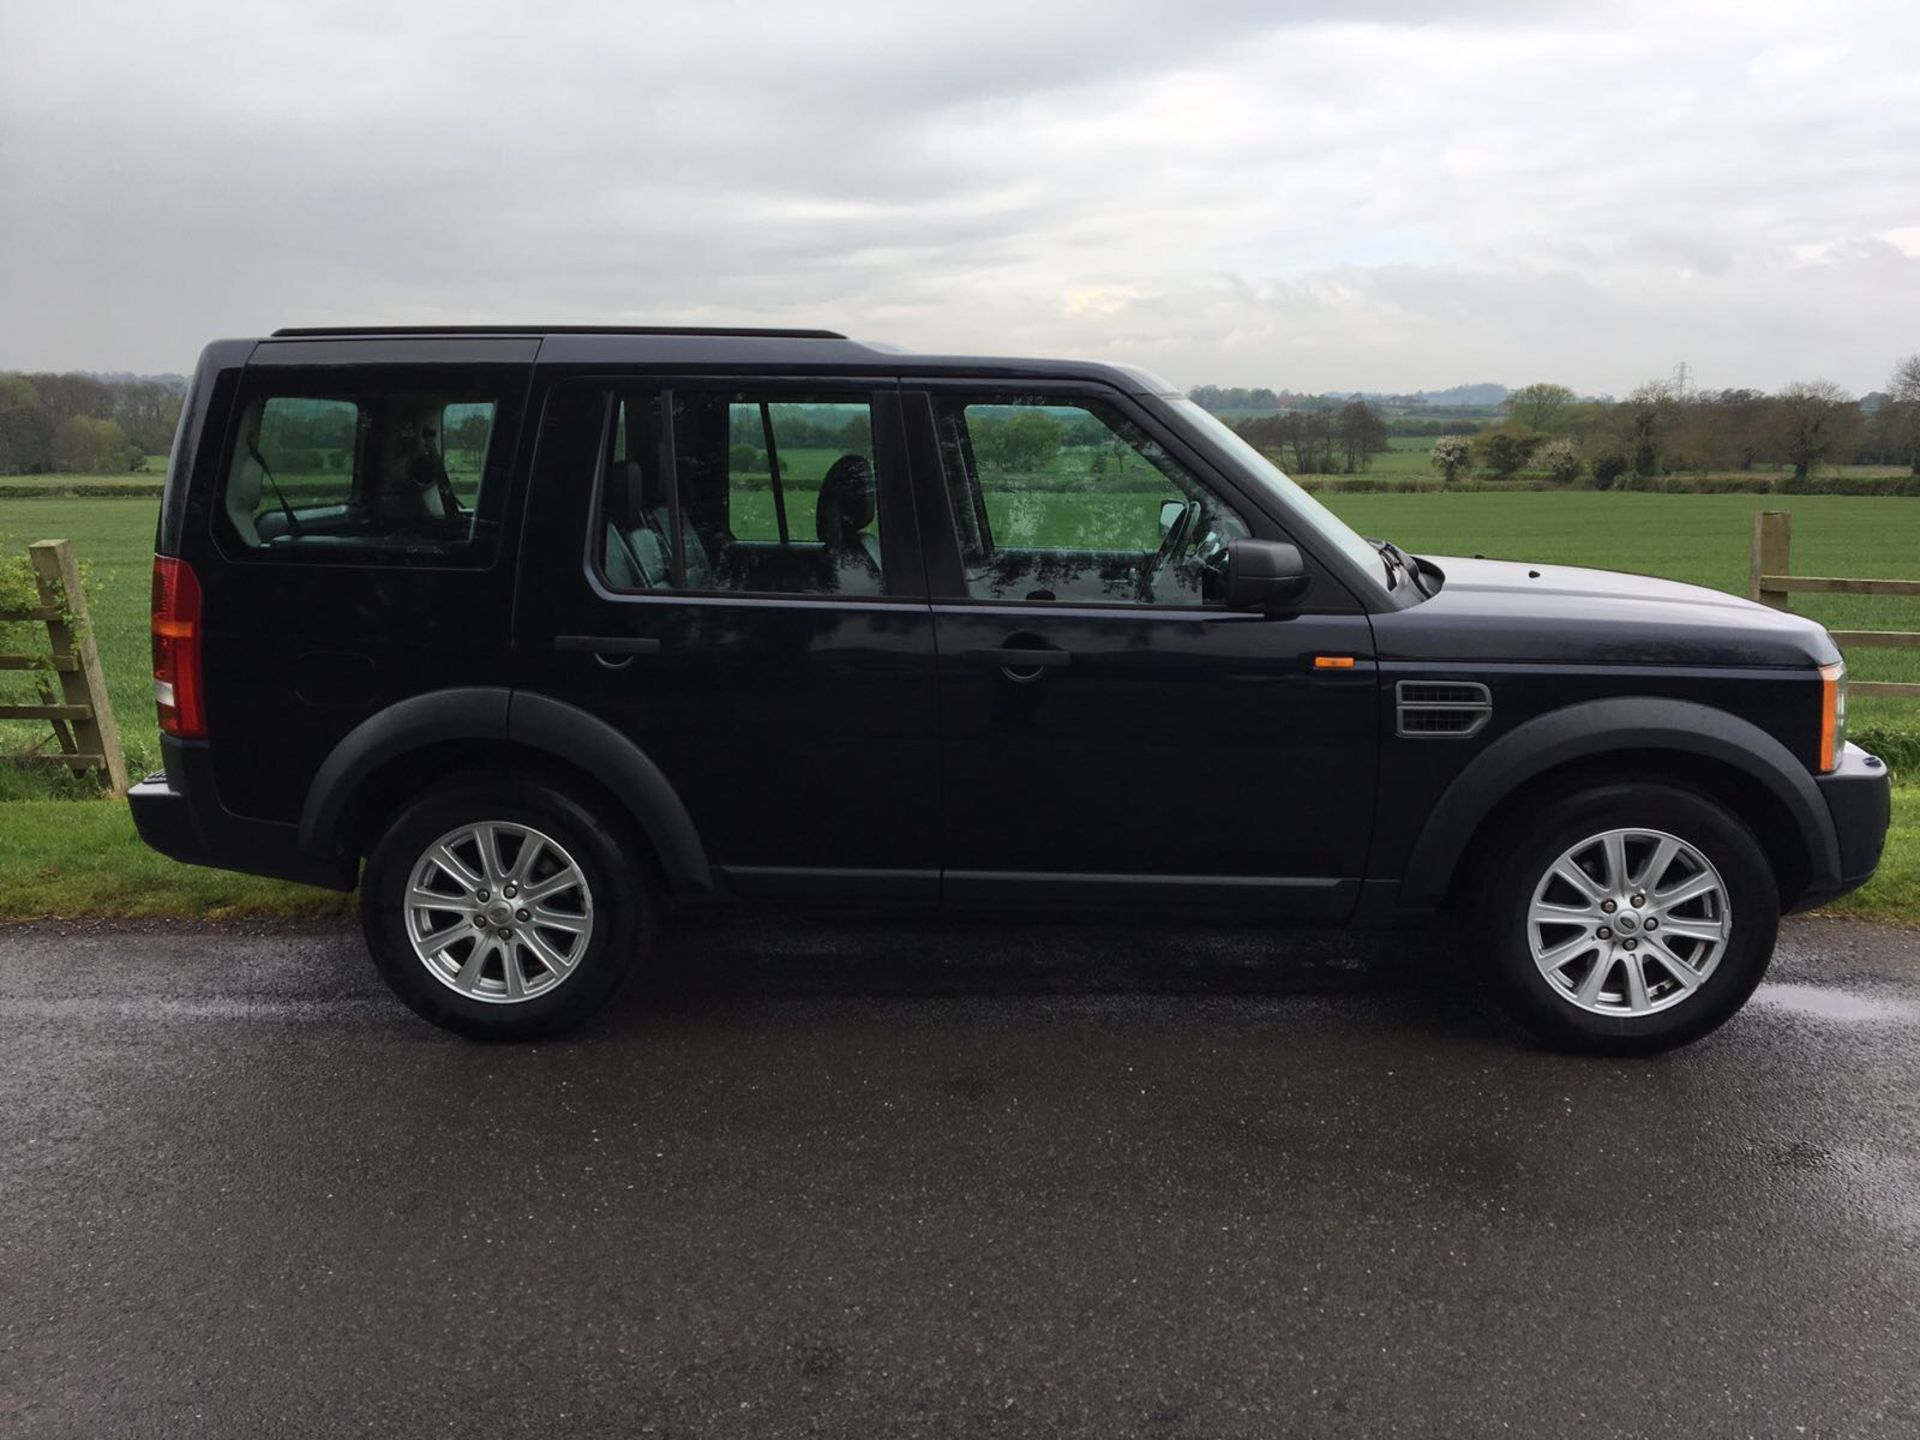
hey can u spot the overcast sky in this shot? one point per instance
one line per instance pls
(1344, 195)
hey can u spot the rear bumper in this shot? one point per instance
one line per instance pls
(177, 812)
(1859, 796)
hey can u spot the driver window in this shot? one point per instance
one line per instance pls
(1068, 501)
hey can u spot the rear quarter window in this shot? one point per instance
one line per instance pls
(391, 464)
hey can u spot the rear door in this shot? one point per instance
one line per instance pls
(1111, 731)
(728, 572)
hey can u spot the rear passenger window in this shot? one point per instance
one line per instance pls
(711, 491)
(405, 465)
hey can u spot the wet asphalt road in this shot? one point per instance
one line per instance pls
(1033, 1182)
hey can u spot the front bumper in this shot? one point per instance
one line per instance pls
(178, 813)
(1859, 796)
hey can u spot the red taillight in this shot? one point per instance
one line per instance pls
(178, 693)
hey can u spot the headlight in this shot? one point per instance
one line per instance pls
(1833, 715)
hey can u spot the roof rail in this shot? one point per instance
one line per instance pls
(290, 332)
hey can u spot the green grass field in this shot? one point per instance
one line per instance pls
(97, 867)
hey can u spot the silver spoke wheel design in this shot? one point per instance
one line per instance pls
(1629, 922)
(498, 912)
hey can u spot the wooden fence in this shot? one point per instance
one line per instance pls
(81, 716)
(1770, 581)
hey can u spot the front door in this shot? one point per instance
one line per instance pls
(1111, 732)
(749, 610)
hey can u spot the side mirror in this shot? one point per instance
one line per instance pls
(1265, 576)
(1171, 514)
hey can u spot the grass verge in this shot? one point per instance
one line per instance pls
(62, 858)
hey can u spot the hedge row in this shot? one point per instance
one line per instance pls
(1902, 485)
(42, 490)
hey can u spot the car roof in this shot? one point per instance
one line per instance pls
(668, 346)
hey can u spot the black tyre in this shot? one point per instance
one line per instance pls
(504, 909)
(1625, 919)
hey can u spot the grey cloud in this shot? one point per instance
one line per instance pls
(1328, 194)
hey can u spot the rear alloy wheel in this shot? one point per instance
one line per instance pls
(1627, 919)
(504, 909)
(499, 912)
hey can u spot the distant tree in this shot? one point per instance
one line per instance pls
(1902, 411)
(1721, 429)
(1451, 456)
(1263, 432)
(1504, 451)
(741, 459)
(1544, 408)
(25, 432)
(1309, 436)
(1609, 463)
(1645, 423)
(1702, 436)
(148, 411)
(85, 446)
(469, 432)
(1362, 432)
(1560, 459)
(1233, 397)
(1026, 440)
(65, 395)
(857, 434)
(1812, 420)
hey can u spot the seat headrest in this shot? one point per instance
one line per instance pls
(244, 483)
(847, 501)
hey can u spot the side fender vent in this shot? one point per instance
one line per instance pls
(1440, 709)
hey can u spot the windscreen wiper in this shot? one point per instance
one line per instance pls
(293, 524)
(1389, 558)
(1398, 562)
(1411, 566)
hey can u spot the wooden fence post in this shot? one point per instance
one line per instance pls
(1771, 555)
(76, 660)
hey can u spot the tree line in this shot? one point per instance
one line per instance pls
(1322, 441)
(1663, 428)
(83, 425)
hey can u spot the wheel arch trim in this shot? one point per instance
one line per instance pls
(518, 717)
(1627, 723)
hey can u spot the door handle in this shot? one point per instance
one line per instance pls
(608, 644)
(1021, 658)
(613, 652)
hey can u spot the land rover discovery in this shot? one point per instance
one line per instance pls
(530, 633)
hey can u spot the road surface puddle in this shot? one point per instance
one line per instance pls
(1825, 1002)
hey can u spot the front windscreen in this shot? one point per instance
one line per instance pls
(1252, 466)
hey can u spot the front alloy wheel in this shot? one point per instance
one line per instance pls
(1625, 919)
(1629, 922)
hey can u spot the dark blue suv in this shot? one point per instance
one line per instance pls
(529, 632)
